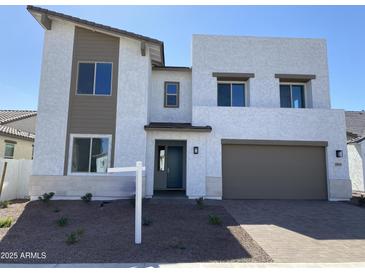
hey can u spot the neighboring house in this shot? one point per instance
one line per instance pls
(250, 119)
(355, 123)
(17, 132)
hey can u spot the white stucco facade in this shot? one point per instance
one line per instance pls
(159, 113)
(356, 155)
(132, 104)
(264, 57)
(140, 101)
(54, 90)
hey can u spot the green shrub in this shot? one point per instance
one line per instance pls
(146, 221)
(74, 236)
(56, 210)
(5, 222)
(63, 221)
(214, 220)
(87, 197)
(200, 202)
(46, 197)
(4, 204)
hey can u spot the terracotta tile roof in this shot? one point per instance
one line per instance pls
(16, 132)
(7, 116)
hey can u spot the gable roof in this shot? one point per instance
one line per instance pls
(7, 116)
(355, 125)
(44, 18)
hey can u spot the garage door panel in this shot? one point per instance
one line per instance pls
(273, 172)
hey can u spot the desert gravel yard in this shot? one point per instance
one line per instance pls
(178, 231)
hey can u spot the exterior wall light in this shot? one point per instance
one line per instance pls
(339, 153)
(196, 150)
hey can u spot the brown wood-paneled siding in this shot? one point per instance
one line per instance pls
(93, 114)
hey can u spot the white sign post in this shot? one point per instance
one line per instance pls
(138, 208)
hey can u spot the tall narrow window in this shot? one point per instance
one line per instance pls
(172, 94)
(292, 96)
(90, 154)
(162, 157)
(94, 78)
(231, 94)
(9, 151)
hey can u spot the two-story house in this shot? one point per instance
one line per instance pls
(251, 119)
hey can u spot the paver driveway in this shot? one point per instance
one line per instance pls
(304, 231)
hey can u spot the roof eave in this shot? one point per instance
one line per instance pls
(45, 16)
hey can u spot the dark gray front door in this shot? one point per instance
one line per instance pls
(170, 165)
(174, 167)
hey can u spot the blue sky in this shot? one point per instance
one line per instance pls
(343, 27)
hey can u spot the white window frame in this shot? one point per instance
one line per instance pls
(11, 144)
(291, 93)
(95, 63)
(234, 82)
(88, 136)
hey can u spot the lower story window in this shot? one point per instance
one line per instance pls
(90, 154)
(9, 151)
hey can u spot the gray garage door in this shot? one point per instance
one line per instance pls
(273, 172)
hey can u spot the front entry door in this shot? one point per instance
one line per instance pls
(170, 165)
(174, 167)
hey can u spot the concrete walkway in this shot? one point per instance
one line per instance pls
(304, 231)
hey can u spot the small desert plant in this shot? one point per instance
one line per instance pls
(63, 221)
(146, 221)
(214, 220)
(177, 244)
(87, 197)
(46, 197)
(74, 236)
(5, 222)
(132, 201)
(200, 202)
(4, 204)
(362, 200)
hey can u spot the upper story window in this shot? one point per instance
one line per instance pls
(292, 96)
(94, 78)
(231, 94)
(172, 94)
(9, 150)
(90, 154)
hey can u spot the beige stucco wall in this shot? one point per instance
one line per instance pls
(23, 148)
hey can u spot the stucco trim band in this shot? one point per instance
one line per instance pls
(295, 77)
(232, 76)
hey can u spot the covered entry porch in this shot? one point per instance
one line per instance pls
(176, 160)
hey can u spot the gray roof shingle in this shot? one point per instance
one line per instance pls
(8, 116)
(16, 132)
